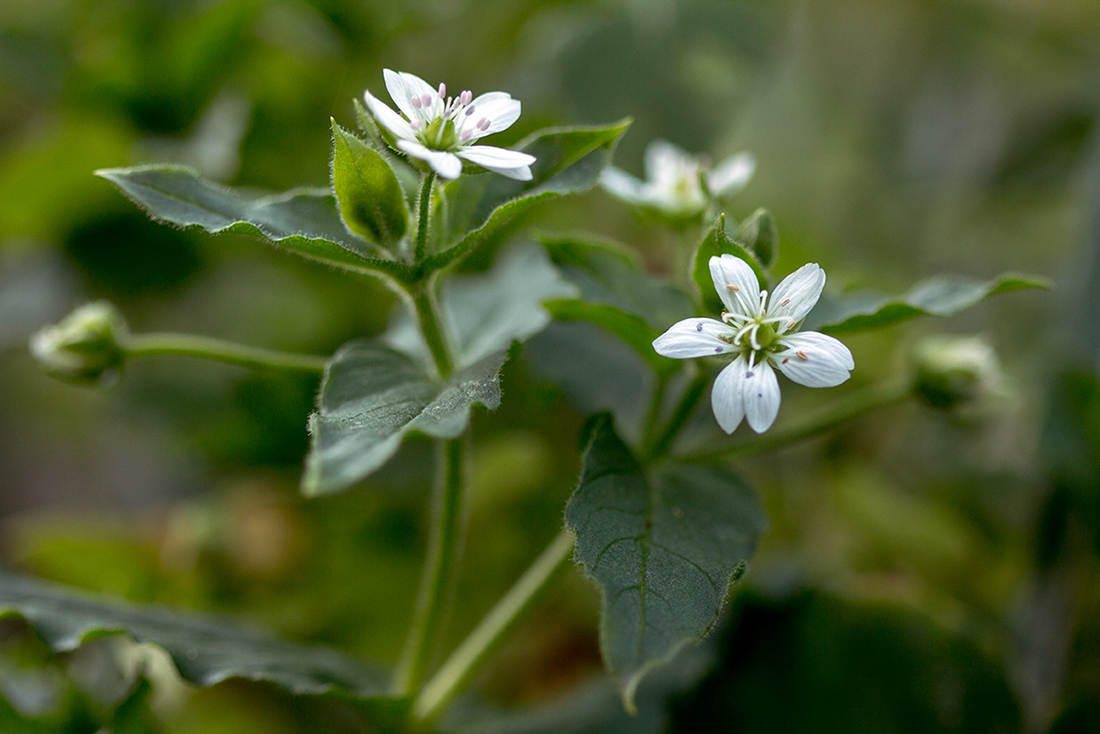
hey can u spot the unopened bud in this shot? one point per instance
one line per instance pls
(85, 347)
(955, 373)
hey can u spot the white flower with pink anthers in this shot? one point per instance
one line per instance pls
(442, 130)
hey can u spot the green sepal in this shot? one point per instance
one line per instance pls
(304, 221)
(941, 295)
(663, 545)
(716, 243)
(368, 193)
(760, 236)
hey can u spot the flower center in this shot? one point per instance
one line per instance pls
(446, 123)
(756, 332)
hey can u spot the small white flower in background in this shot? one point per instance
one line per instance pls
(672, 184)
(761, 330)
(441, 130)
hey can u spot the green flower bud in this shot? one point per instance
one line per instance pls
(953, 373)
(85, 347)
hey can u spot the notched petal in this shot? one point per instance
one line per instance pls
(814, 360)
(727, 396)
(697, 337)
(796, 295)
(736, 284)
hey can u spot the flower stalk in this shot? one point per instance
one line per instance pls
(218, 350)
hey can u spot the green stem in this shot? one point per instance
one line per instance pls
(424, 217)
(870, 398)
(436, 581)
(426, 313)
(461, 666)
(188, 345)
(655, 405)
(680, 417)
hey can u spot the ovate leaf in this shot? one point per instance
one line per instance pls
(372, 397)
(367, 191)
(760, 236)
(303, 221)
(663, 546)
(942, 295)
(480, 207)
(716, 243)
(204, 648)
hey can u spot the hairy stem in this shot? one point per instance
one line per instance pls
(461, 666)
(424, 217)
(443, 547)
(431, 327)
(189, 345)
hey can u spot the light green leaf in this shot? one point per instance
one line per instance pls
(303, 221)
(716, 243)
(205, 649)
(479, 207)
(370, 198)
(663, 546)
(372, 397)
(942, 295)
(760, 236)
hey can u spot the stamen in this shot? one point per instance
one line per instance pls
(791, 325)
(784, 302)
(801, 355)
(786, 359)
(415, 124)
(426, 99)
(483, 124)
(442, 90)
(733, 287)
(415, 102)
(699, 326)
(466, 135)
(466, 97)
(469, 110)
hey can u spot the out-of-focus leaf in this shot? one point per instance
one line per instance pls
(663, 546)
(716, 243)
(205, 649)
(942, 295)
(759, 234)
(367, 191)
(303, 221)
(372, 397)
(630, 328)
(568, 161)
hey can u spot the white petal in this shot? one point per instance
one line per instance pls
(727, 396)
(667, 163)
(498, 108)
(814, 360)
(796, 295)
(389, 119)
(496, 159)
(694, 338)
(761, 397)
(403, 87)
(731, 175)
(736, 284)
(621, 184)
(447, 165)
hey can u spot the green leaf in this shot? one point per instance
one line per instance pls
(370, 198)
(372, 397)
(760, 236)
(204, 648)
(716, 243)
(942, 295)
(304, 221)
(568, 161)
(663, 546)
(616, 294)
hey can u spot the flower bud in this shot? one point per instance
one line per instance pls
(953, 372)
(85, 347)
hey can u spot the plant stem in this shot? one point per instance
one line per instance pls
(680, 417)
(423, 217)
(851, 406)
(189, 345)
(434, 584)
(430, 326)
(461, 666)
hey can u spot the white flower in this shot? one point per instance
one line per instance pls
(441, 130)
(762, 331)
(672, 182)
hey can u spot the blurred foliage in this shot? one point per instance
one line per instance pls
(919, 574)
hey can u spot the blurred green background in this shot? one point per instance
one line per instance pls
(920, 574)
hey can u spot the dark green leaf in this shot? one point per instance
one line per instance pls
(663, 546)
(942, 295)
(716, 243)
(302, 221)
(205, 649)
(628, 327)
(367, 191)
(372, 397)
(567, 161)
(760, 236)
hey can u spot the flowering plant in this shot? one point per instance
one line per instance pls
(663, 517)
